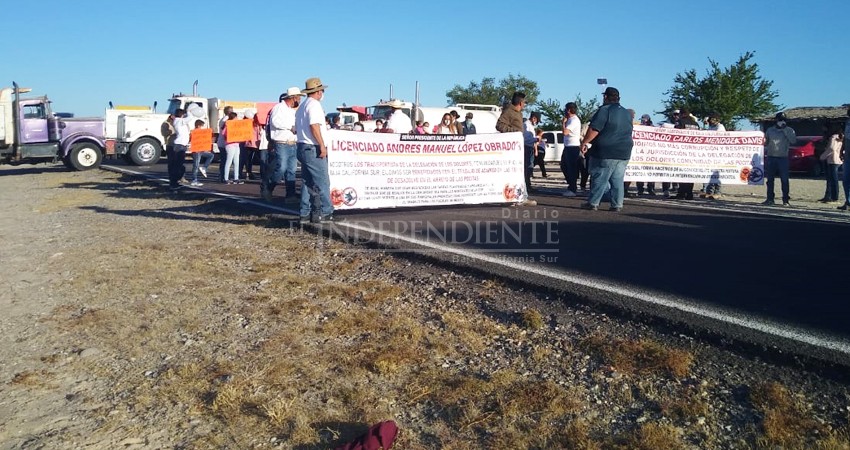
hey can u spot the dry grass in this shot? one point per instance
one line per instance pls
(642, 356)
(687, 404)
(787, 421)
(300, 348)
(653, 436)
(34, 379)
(532, 319)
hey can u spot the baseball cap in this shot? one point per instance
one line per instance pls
(613, 92)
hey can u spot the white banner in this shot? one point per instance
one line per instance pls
(385, 170)
(696, 156)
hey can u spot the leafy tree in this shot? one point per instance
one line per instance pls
(585, 109)
(552, 112)
(488, 92)
(735, 93)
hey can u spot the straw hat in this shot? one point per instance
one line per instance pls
(313, 85)
(396, 104)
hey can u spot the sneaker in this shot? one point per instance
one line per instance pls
(650, 193)
(196, 184)
(768, 203)
(183, 181)
(526, 203)
(569, 193)
(238, 182)
(229, 182)
(266, 194)
(203, 171)
(844, 207)
(588, 206)
(786, 204)
(665, 193)
(704, 195)
(331, 218)
(615, 208)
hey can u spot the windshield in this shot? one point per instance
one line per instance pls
(383, 111)
(173, 105)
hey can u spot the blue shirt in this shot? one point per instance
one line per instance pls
(614, 124)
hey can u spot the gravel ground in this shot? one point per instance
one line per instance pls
(135, 318)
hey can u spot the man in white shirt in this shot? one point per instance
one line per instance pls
(571, 157)
(312, 153)
(281, 158)
(177, 157)
(398, 122)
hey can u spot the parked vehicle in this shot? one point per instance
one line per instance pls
(803, 158)
(484, 116)
(30, 132)
(554, 145)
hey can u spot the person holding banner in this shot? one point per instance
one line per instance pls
(200, 145)
(611, 134)
(510, 121)
(777, 141)
(316, 203)
(231, 149)
(712, 190)
(220, 143)
(282, 159)
(686, 122)
(251, 147)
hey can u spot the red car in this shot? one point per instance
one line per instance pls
(802, 157)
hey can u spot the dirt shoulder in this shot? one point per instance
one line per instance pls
(138, 318)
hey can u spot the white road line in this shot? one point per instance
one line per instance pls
(761, 325)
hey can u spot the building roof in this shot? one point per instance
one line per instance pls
(812, 113)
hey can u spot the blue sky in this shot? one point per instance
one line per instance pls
(85, 53)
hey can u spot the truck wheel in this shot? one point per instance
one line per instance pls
(145, 152)
(85, 156)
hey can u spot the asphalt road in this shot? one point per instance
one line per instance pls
(771, 275)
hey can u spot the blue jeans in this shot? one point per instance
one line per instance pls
(281, 165)
(607, 174)
(845, 181)
(831, 182)
(570, 160)
(176, 166)
(315, 182)
(196, 158)
(776, 165)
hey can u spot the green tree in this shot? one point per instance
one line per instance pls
(552, 113)
(585, 109)
(489, 92)
(735, 93)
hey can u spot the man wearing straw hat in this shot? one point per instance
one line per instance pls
(282, 158)
(398, 122)
(313, 155)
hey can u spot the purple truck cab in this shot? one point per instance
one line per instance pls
(31, 133)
